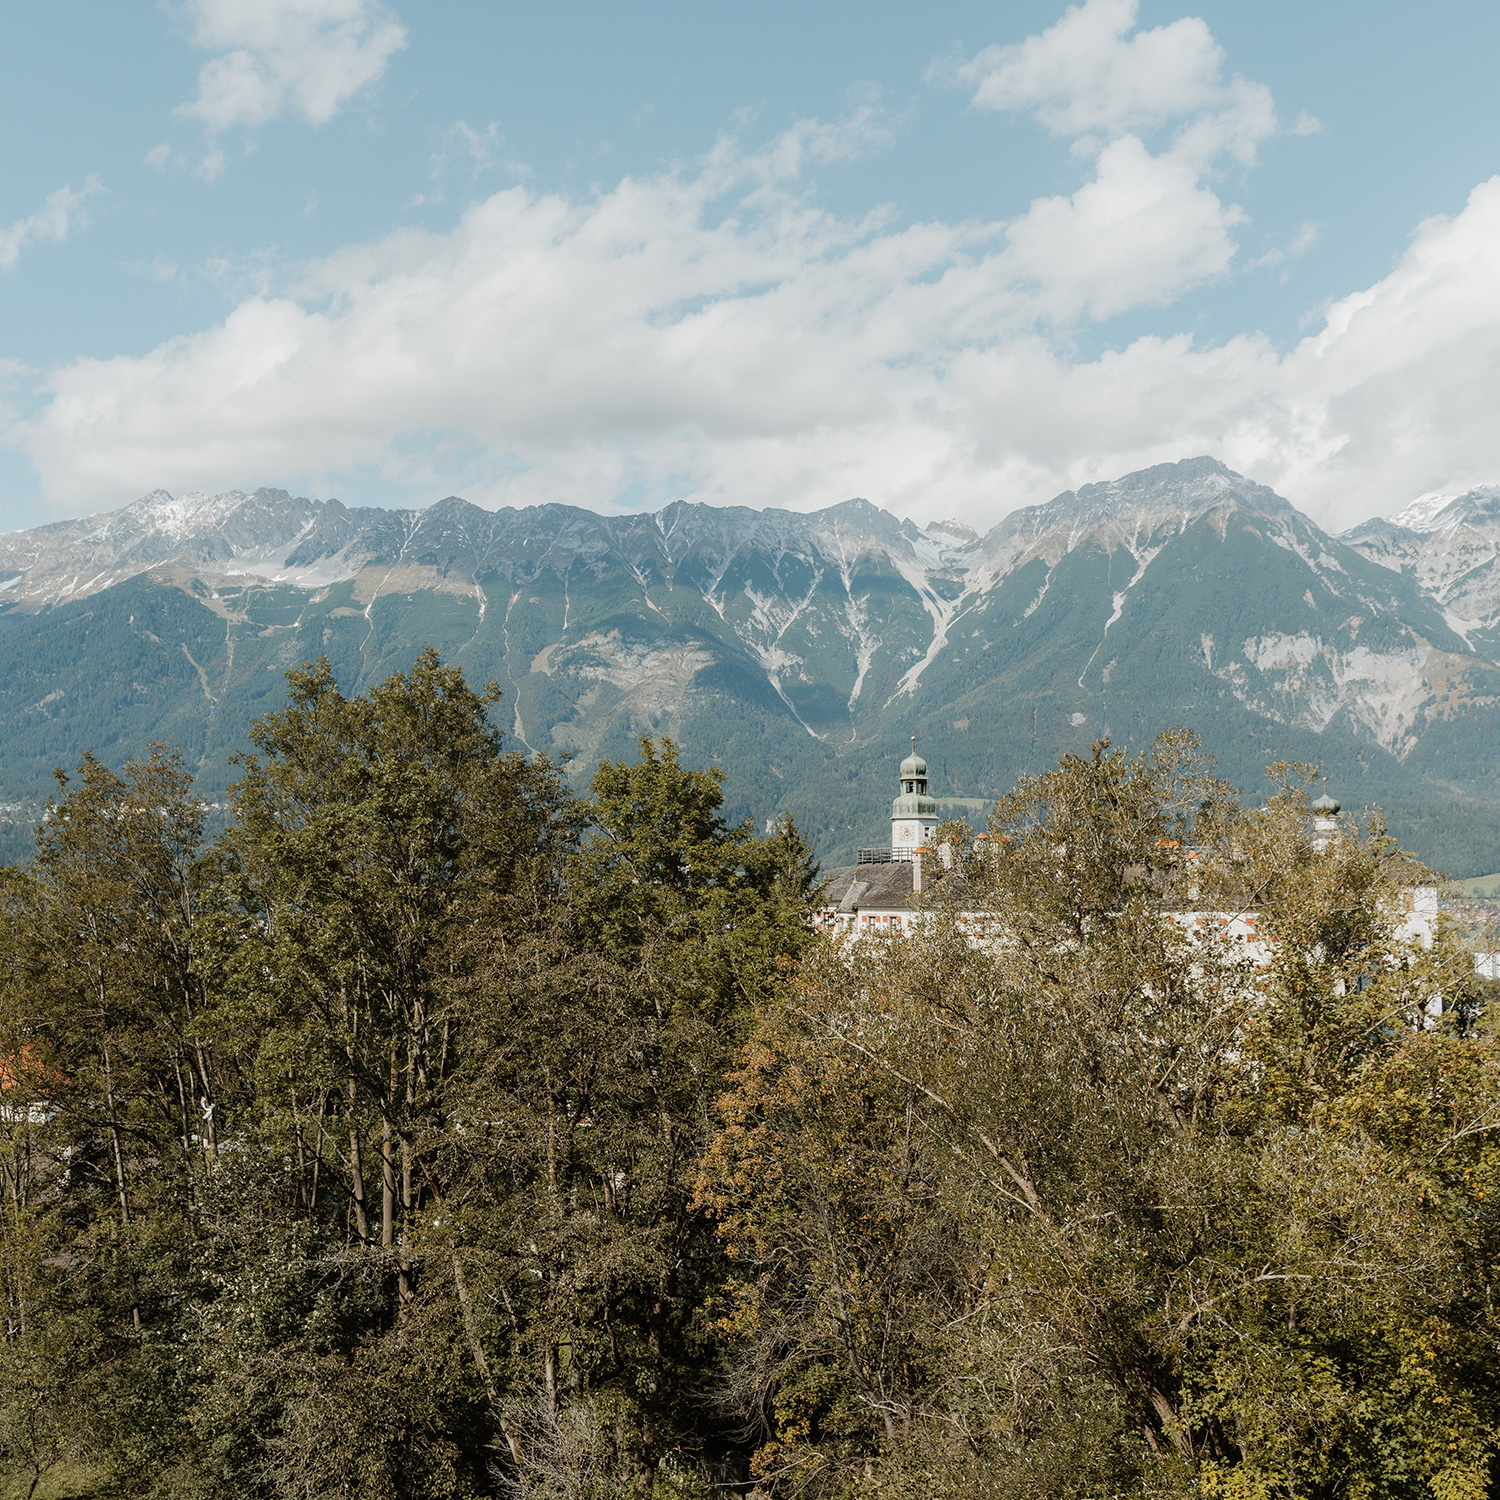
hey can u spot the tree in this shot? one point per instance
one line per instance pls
(111, 1092)
(371, 835)
(355, 1155)
(604, 1038)
(846, 1266)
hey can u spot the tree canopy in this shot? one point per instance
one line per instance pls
(437, 1132)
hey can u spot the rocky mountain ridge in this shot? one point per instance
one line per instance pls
(1451, 546)
(797, 649)
(272, 534)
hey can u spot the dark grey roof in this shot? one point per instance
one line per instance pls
(887, 886)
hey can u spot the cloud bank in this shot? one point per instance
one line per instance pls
(710, 332)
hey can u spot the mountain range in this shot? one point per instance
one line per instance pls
(797, 651)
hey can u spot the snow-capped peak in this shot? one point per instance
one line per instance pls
(955, 529)
(1422, 513)
(184, 515)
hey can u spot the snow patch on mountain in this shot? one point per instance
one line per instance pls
(1422, 512)
(1450, 544)
(182, 516)
(943, 612)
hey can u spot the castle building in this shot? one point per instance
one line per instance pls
(893, 890)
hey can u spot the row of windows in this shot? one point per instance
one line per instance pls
(828, 921)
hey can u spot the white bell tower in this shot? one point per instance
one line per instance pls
(914, 815)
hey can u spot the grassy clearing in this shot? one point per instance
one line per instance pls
(1481, 885)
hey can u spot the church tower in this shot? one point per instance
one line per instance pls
(914, 815)
(1325, 811)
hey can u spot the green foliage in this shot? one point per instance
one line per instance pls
(437, 1133)
(598, 1057)
(334, 1149)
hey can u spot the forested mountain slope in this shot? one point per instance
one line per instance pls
(797, 651)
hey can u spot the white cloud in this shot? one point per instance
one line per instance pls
(712, 326)
(1307, 236)
(712, 333)
(308, 57)
(1139, 234)
(1147, 227)
(1093, 79)
(464, 149)
(157, 269)
(1085, 76)
(1395, 394)
(61, 213)
(209, 167)
(212, 165)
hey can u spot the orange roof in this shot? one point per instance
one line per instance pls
(26, 1070)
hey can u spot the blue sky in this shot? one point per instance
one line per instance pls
(953, 257)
